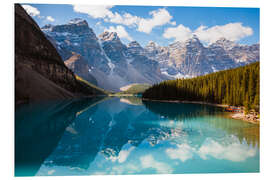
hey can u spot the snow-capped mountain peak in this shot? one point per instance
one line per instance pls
(134, 44)
(151, 45)
(176, 45)
(135, 48)
(194, 40)
(224, 43)
(115, 64)
(47, 27)
(109, 36)
(78, 21)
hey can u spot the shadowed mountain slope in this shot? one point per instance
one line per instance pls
(40, 73)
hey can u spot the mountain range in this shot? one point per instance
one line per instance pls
(191, 58)
(110, 64)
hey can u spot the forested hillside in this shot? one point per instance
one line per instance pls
(134, 89)
(239, 87)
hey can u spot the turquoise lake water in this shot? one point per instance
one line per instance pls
(128, 136)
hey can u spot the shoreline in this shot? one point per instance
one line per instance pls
(188, 102)
(250, 117)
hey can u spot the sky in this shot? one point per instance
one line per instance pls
(163, 25)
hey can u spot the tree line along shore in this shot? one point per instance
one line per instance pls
(239, 87)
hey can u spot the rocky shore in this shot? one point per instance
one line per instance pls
(251, 117)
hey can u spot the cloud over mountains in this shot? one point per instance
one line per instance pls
(231, 31)
(34, 12)
(168, 25)
(158, 17)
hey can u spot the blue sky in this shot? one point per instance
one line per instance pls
(163, 25)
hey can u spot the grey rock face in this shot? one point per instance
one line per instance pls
(115, 64)
(112, 63)
(76, 36)
(192, 58)
(115, 51)
(78, 64)
(135, 48)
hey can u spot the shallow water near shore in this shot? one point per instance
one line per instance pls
(127, 136)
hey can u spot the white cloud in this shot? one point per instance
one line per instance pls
(32, 11)
(100, 26)
(98, 23)
(123, 169)
(145, 162)
(232, 150)
(121, 31)
(183, 152)
(149, 162)
(125, 19)
(124, 154)
(179, 33)
(173, 23)
(231, 31)
(120, 169)
(105, 13)
(235, 152)
(159, 17)
(50, 172)
(50, 18)
(94, 11)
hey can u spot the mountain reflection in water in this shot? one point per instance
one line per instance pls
(128, 136)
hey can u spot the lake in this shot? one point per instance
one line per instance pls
(127, 136)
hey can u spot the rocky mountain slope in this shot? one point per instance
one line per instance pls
(114, 64)
(40, 73)
(109, 61)
(78, 64)
(192, 58)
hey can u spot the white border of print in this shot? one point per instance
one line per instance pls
(7, 85)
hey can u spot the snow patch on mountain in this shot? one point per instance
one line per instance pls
(175, 76)
(115, 64)
(76, 21)
(214, 69)
(110, 64)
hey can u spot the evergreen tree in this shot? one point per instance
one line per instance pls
(239, 86)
